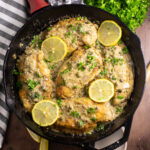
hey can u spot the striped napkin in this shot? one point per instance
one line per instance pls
(12, 18)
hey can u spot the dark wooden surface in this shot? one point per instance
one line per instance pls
(18, 139)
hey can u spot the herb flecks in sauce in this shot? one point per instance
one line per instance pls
(75, 114)
(32, 84)
(91, 110)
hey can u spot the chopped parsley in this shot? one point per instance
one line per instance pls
(75, 87)
(120, 97)
(93, 65)
(63, 83)
(73, 40)
(87, 46)
(118, 109)
(81, 66)
(49, 28)
(80, 123)
(36, 42)
(94, 119)
(79, 18)
(52, 66)
(100, 126)
(72, 27)
(91, 110)
(59, 102)
(75, 114)
(68, 34)
(37, 95)
(113, 78)
(19, 85)
(15, 72)
(104, 72)
(38, 75)
(32, 84)
(64, 72)
(120, 42)
(80, 29)
(125, 50)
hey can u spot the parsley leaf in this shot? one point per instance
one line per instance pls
(32, 84)
(75, 114)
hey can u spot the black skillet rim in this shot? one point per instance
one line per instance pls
(74, 140)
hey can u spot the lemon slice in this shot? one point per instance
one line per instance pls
(101, 90)
(109, 33)
(34, 136)
(45, 113)
(54, 48)
(43, 144)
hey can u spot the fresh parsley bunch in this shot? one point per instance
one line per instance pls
(131, 12)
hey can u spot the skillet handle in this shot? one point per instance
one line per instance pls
(36, 5)
(90, 146)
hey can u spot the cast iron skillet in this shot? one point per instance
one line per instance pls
(38, 22)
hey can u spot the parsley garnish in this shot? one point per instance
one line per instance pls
(38, 75)
(15, 72)
(100, 126)
(75, 87)
(73, 40)
(32, 84)
(63, 83)
(75, 114)
(79, 18)
(120, 97)
(113, 78)
(72, 27)
(36, 42)
(37, 95)
(93, 66)
(104, 72)
(80, 123)
(81, 66)
(68, 34)
(131, 12)
(59, 102)
(94, 119)
(91, 110)
(87, 46)
(49, 28)
(118, 109)
(125, 50)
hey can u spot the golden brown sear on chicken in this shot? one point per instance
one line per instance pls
(82, 114)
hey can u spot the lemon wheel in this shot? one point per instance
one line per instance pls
(54, 48)
(109, 33)
(45, 113)
(101, 90)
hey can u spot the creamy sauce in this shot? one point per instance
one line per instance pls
(66, 82)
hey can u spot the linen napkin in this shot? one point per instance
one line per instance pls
(12, 18)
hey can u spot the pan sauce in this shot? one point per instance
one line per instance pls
(67, 84)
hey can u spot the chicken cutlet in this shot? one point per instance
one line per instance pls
(77, 72)
(34, 78)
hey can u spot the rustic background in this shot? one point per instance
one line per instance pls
(17, 137)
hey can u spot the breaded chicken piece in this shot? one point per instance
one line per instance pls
(77, 72)
(80, 115)
(34, 77)
(75, 32)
